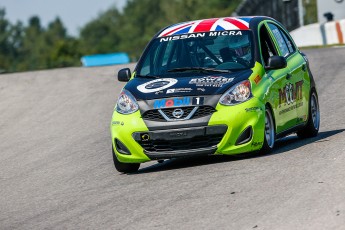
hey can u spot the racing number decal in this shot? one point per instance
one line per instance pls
(198, 101)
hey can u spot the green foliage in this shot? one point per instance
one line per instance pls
(100, 35)
(34, 47)
(310, 7)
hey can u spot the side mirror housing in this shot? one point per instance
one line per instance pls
(276, 62)
(124, 75)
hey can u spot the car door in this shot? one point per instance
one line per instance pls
(291, 102)
(279, 80)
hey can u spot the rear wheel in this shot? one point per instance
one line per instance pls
(313, 124)
(269, 132)
(125, 167)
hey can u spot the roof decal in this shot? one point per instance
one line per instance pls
(238, 23)
(175, 29)
(207, 25)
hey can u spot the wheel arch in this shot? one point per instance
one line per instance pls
(273, 116)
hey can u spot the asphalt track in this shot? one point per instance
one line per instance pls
(56, 169)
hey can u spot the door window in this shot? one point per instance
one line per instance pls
(266, 45)
(285, 45)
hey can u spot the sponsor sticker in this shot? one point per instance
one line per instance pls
(290, 108)
(145, 137)
(290, 94)
(179, 90)
(117, 123)
(210, 81)
(252, 109)
(156, 85)
(177, 102)
(257, 79)
(257, 143)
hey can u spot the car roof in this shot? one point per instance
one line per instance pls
(211, 24)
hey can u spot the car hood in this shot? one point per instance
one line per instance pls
(213, 84)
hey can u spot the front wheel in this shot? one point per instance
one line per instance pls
(313, 124)
(269, 132)
(125, 167)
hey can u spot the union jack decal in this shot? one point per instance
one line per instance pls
(207, 25)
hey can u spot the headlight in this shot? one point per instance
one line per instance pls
(239, 93)
(126, 103)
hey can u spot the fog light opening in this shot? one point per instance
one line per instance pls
(121, 148)
(245, 136)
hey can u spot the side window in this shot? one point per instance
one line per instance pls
(288, 41)
(266, 45)
(283, 47)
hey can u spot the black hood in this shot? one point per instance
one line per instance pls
(212, 84)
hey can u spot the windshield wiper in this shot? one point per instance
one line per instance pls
(147, 76)
(202, 69)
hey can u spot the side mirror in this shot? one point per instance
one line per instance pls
(276, 62)
(124, 75)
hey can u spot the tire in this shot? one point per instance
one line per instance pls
(313, 124)
(269, 132)
(125, 167)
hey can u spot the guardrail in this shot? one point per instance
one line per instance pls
(329, 33)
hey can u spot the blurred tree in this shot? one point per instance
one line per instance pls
(5, 48)
(101, 35)
(62, 50)
(15, 42)
(32, 51)
(55, 32)
(310, 7)
(65, 53)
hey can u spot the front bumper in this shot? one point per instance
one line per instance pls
(220, 136)
(181, 142)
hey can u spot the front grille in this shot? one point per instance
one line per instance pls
(181, 144)
(186, 112)
(155, 115)
(204, 111)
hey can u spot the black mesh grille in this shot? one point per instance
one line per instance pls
(181, 144)
(153, 115)
(202, 111)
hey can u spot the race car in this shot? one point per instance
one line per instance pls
(215, 86)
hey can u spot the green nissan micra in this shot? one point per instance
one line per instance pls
(210, 87)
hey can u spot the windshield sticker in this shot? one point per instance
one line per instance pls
(201, 35)
(156, 85)
(210, 81)
(179, 90)
(206, 25)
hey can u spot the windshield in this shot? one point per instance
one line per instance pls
(218, 51)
